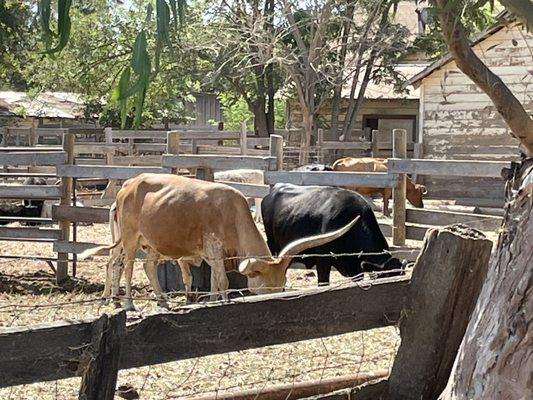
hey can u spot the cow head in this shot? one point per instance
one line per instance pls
(415, 193)
(269, 274)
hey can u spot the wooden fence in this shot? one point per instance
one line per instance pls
(64, 163)
(450, 272)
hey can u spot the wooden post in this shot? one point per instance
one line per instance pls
(173, 145)
(319, 144)
(374, 138)
(446, 282)
(4, 136)
(32, 138)
(109, 141)
(111, 188)
(243, 139)
(276, 150)
(64, 226)
(399, 150)
(99, 362)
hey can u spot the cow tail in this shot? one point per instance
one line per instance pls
(99, 251)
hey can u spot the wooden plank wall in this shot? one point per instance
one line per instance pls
(460, 121)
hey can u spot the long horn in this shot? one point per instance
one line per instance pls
(305, 243)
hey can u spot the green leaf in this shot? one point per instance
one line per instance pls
(139, 103)
(63, 25)
(163, 29)
(44, 10)
(140, 59)
(122, 86)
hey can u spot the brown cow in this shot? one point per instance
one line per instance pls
(415, 192)
(188, 219)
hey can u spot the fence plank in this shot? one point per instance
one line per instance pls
(29, 233)
(265, 320)
(248, 189)
(33, 158)
(105, 172)
(246, 323)
(215, 135)
(441, 218)
(29, 192)
(218, 162)
(139, 134)
(80, 214)
(487, 169)
(44, 353)
(327, 178)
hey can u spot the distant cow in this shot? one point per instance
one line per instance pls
(415, 192)
(27, 209)
(313, 167)
(291, 212)
(253, 176)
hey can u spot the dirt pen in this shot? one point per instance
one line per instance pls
(60, 341)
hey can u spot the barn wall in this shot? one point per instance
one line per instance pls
(460, 121)
(369, 107)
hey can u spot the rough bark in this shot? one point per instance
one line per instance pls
(509, 107)
(496, 356)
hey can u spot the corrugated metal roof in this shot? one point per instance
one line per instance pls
(46, 104)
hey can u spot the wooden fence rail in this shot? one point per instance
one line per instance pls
(53, 351)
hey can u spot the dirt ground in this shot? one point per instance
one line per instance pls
(29, 295)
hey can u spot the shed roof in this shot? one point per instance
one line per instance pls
(46, 104)
(503, 19)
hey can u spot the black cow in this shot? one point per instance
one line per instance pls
(291, 212)
(314, 167)
(28, 209)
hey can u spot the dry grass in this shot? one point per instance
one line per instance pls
(28, 287)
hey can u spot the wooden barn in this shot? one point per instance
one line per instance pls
(458, 121)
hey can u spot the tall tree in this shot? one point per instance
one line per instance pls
(242, 64)
(332, 45)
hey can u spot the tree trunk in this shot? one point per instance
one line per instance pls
(306, 137)
(260, 118)
(495, 358)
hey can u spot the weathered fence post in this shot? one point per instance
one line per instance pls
(374, 137)
(276, 150)
(244, 139)
(66, 196)
(32, 138)
(319, 144)
(399, 150)
(173, 145)
(99, 362)
(111, 189)
(447, 279)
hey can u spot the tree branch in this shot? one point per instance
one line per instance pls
(511, 110)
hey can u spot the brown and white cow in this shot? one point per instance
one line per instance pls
(181, 218)
(415, 192)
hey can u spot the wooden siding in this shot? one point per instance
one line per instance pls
(461, 122)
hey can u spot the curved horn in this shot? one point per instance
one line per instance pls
(305, 243)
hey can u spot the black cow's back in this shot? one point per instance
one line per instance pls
(291, 212)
